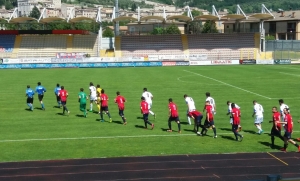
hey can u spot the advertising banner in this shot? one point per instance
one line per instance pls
(248, 62)
(173, 57)
(282, 61)
(183, 63)
(70, 55)
(265, 62)
(168, 63)
(215, 62)
(153, 57)
(197, 57)
(57, 60)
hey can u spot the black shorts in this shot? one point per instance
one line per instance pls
(275, 132)
(40, 96)
(63, 103)
(30, 100)
(198, 119)
(145, 116)
(104, 108)
(235, 127)
(288, 135)
(173, 118)
(209, 123)
(121, 112)
(57, 98)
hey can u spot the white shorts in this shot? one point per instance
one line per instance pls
(231, 121)
(258, 120)
(149, 105)
(93, 98)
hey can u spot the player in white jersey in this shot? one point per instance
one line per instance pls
(148, 98)
(190, 104)
(259, 117)
(282, 107)
(229, 112)
(211, 102)
(93, 95)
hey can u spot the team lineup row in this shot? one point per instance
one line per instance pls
(97, 96)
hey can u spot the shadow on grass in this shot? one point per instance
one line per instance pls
(226, 129)
(95, 112)
(189, 130)
(38, 108)
(27, 109)
(61, 114)
(79, 115)
(139, 126)
(164, 129)
(118, 122)
(139, 117)
(58, 107)
(185, 123)
(228, 137)
(269, 145)
(100, 120)
(250, 131)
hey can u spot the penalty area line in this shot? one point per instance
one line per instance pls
(228, 84)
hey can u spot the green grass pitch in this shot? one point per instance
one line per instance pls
(44, 135)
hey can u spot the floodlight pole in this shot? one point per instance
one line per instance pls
(99, 20)
(43, 14)
(189, 13)
(116, 16)
(13, 14)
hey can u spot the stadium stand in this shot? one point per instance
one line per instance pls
(234, 46)
(85, 44)
(151, 45)
(6, 45)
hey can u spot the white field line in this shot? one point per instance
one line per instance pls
(288, 68)
(112, 137)
(179, 79)
(290, 74)
(228, 84)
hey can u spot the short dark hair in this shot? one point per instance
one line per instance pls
(81, 89)
(57, 85)
(143, 98)
(185, 95)
(232, 105)
(227, 102)
(28, 86)
(207, 94)
(102, 91)
(170, 100)
(280, 101)
(62, 87)
(39, 83)
(145, 89)
(254, 101)
(91, 83)
(98, 85)
(118, 93)
(274, 107)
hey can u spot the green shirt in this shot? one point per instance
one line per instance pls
(82, 97)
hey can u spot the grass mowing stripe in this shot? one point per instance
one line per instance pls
(228, 84)
(290, 74)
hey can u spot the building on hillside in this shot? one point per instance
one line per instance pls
(52, 12)
(86, 12)
(25, 6)
(5, 14)
(285, 25)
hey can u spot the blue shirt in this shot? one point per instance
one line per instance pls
(40, 90)
(56, 90)
(29, 93)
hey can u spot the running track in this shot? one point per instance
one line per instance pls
(213, 167)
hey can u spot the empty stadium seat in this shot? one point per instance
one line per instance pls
(85, 44)
(6, 45)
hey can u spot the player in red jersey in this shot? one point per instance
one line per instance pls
(276, 129)
(63, 94)
(104, 106)
(120, 100)
(209, 121)
(236, 121)
(145, 111)
(197, 116)
(288, 121)
(173, 116)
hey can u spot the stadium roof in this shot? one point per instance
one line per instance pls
(206, 17)
(262, 16)
(123, 18)
(78, 19)
(234, 16)
(21, 20)
(180, 17)
(49, 20)
(146, 18)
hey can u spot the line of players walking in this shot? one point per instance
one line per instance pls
(98, 96)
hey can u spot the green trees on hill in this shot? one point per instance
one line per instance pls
(171, 30)
(35, 13)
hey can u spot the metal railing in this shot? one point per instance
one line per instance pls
(284, 49)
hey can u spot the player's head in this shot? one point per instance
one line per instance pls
(145, 89)
(254, 102)
(98, 85)
(102, 91)
(232, 105)
(185, 95)
(28, 86)
(91, 84)
(286, 110)
(228, 103)
(170, 100)
(118, 93)
(62, 87)
(207, 103)
(280, 101)
(274, 109)
(57, 85)
(143, 98)
(207, 94)
(81, 89)
(39, 83)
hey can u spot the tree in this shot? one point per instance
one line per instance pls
(58, 25)
(194, 13)
(158, 31)
(210, 27)
(8, 5)
(133, 7)
(35, 13)
(108, 33)
(173, 29)
(270, 37)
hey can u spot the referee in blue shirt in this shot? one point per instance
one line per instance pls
(29, 95)
(40, 90)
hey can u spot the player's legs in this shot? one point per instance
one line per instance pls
(92, 100)
(169, 124)
(212, 123)
(150, 111)
(41, 101)
(58, 101)
(121, 113)
(108, 114)
(146, 121)
(257, 123)
(82, 108)
(29, 103)
(204, 130)
(235, 132)
(178, 124)
(64, 104)
(188, 118)
(101, 113)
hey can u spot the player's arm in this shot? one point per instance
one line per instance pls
(44, 89)
(207, 115)
(79, 98)
(254, 112)
(115, 100)
(229, 112)
(67, 94)
(191, 116)
(215, 106)
(204, 106)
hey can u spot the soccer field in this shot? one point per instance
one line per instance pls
(44, 135)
